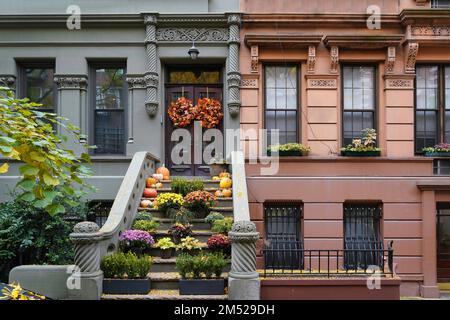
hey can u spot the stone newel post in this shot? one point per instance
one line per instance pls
(243, 280)
(87, 278)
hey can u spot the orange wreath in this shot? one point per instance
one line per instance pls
(181, 112)
(208, 112)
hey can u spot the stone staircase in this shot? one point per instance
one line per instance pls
(163, 275)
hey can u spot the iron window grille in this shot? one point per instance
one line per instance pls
(283, 236)
(109, 100)
(362, 239)
(443, 4)
(359, 101)
(281, 102)
(432, 104)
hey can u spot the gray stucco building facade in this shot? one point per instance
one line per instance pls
(135, 44)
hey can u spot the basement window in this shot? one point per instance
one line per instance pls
(441, 167)
(440, 4)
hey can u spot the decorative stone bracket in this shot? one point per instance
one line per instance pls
(411, 51)
(311, 59)
(71, 82)
(390, 60)
(334, 54)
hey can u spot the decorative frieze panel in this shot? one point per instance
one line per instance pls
(433, 31)
(136, 82)
(8, 80)
(192, 34)
(250, 81)
(71, 82)
(322, 82)
(399, 82)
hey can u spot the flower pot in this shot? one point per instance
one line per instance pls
(126, 286)
(176, 239)
(202, 286)
(217, 168)
(360, 153)
(437, 154)
(166, 254)
(287, 153)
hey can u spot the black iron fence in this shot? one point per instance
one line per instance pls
(294, 260)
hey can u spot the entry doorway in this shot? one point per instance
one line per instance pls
(443, 242)
(193, 83)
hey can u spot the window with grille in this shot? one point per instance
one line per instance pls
(36, 82)
(445, 4)
(109, 98)
(358, 101)
(281, 102)
(432, 106)
(362, 240)
(283, 236)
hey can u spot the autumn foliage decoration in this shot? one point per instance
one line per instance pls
(208, 111)
(181, 112)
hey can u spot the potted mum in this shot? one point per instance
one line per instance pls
(199, 202)
(136, 241)
(213, 216)
(179, 230)
(219, 242)
(126, 273)
(364, 147)
(168, 202)
(166, 246)
(289, 150)
(149, 226)
(201, 274)
(439, 150)
(222, 226)
(190, 245)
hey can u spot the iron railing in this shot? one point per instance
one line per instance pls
(294, 260)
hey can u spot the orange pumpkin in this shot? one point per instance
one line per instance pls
(226, 193)
(225, 183)
(218, 194)
(146, 204)
(150, 182)
(166, 177)
(224, 174)
(150, 193)
(164, 171)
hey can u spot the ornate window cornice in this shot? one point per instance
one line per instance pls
(363, 41)
(286, 40)
(173, 34)
(136, 82)
(71, 82)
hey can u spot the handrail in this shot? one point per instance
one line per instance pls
(240, 196)
(122, 211)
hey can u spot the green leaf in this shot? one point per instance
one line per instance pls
(43, 203)
(49, 194)
(4, 168)
(55, 208)
(6, 149)
(27, 184)
(28, 197)
(28, 170)
(37, 156)
(7, 141)
(71, 203)
(49, 180)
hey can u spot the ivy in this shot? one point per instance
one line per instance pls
(50, 172)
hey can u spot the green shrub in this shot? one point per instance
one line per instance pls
(184, 264)
(222, 226)
(146, 225)
(214, 216)
(219, 262)
(184, 186)
(143, 216)
(182, 215)
(126, 265)
(202, 265)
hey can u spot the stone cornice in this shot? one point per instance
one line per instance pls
(425, 16)
(287, 40)
(71, 82)
(363, 41)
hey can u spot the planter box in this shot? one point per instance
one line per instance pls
(166, 254)
(437, 154)
(288, 153)
(202, 287)
(217, 168)
(360, 154)
(126, 286)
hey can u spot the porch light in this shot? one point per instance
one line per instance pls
(193, 52)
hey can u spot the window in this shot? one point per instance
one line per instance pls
(281, 102)
(109, 100)
(441, 167)
(432, 106)
(36, 82)
(283, 236)
(440, 3)
(358, 101)
(362, 240)
(443, 241)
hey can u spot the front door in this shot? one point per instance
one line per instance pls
(443, 243)
(192, 92)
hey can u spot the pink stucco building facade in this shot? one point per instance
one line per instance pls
(345, 73)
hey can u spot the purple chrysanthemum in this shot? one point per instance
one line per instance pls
(132, 236)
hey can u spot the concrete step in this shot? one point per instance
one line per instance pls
(210, 189)
(162, 295)
(207, 183)
(155, 252)
(168, 280)
(221, 202)
(226, 211)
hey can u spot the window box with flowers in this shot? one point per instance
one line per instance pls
(439, 150)
(289, 150)
(364, 147)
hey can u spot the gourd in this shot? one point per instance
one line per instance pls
(164, 171)
(225, 183)
(150, 193)
(218, 194)
(224, 174)
(146, 204)
(150, 182)
(226, 193)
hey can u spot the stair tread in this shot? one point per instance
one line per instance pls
(162, 295)
(194, 232)
(168, 220)
(211, 209)
(171, 276)
(218, 199)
